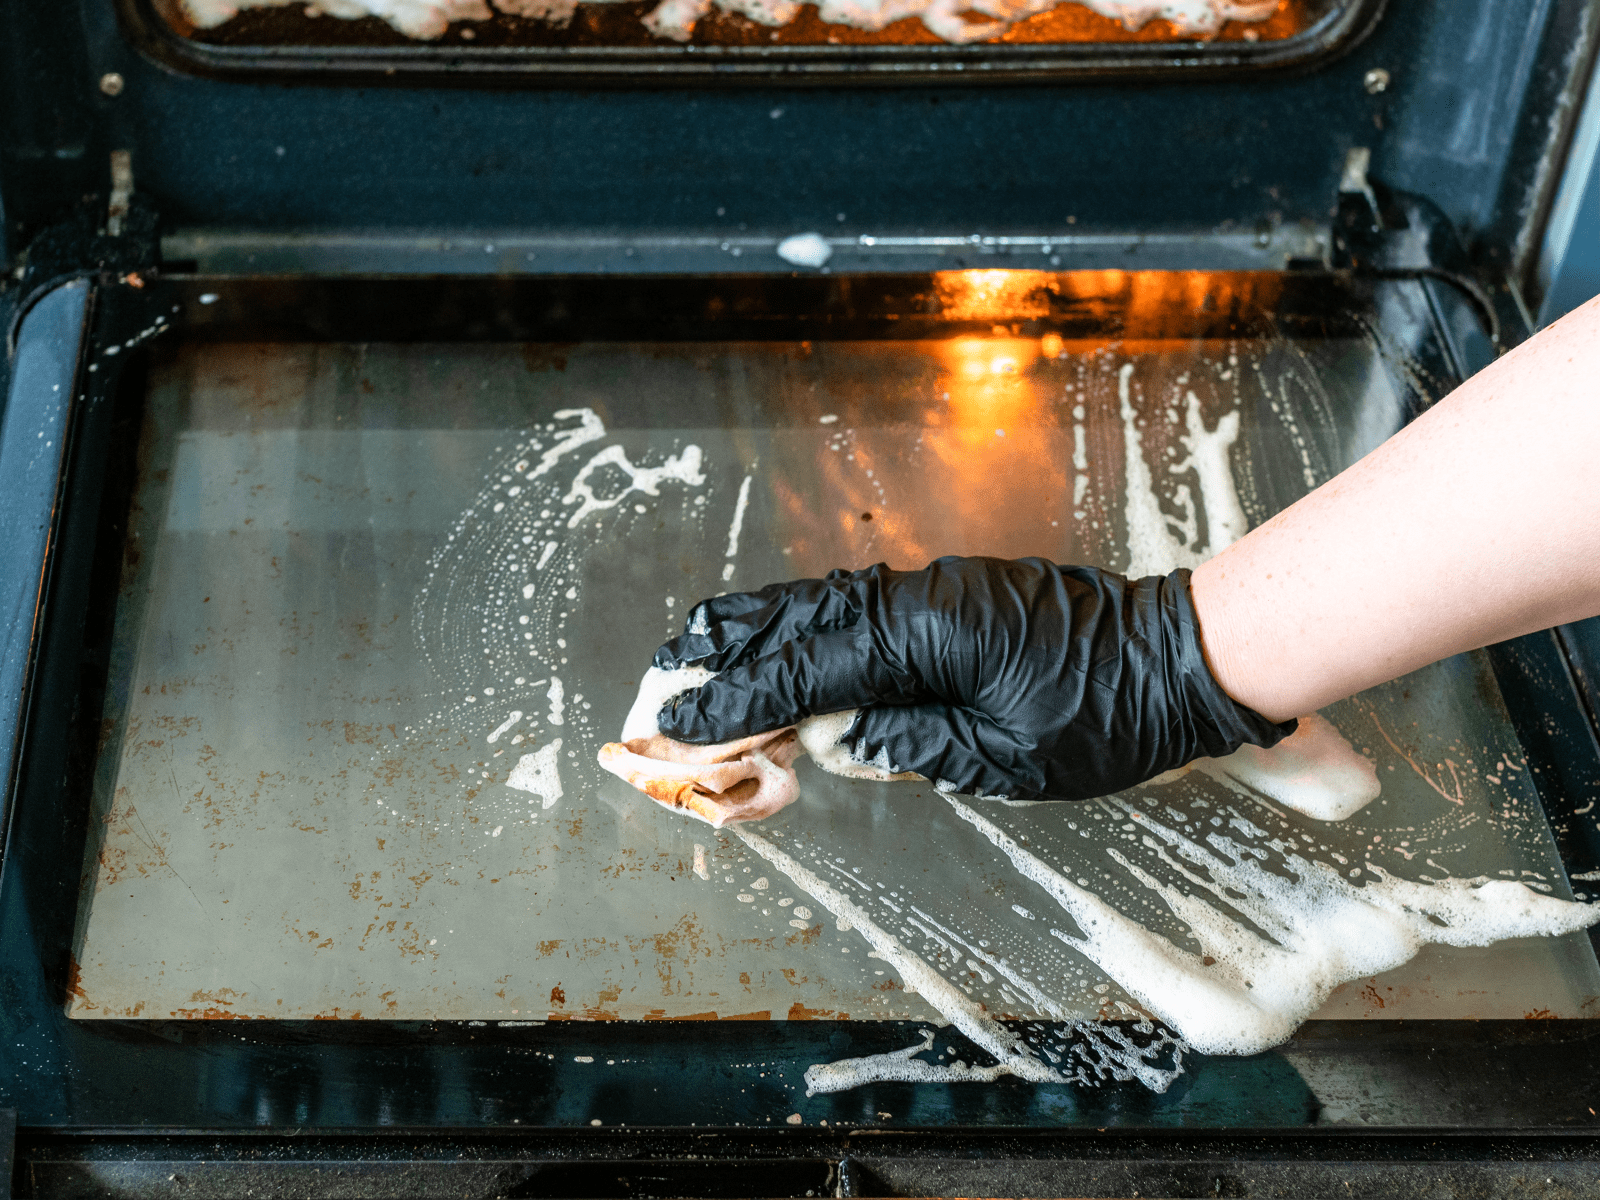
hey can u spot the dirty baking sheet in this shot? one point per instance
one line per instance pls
(368, 589)
(559, 23)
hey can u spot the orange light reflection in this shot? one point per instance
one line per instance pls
(996, 456)
(994, 295)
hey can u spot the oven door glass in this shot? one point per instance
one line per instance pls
(382, 605)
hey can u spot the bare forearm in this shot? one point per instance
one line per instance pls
(1478, 522)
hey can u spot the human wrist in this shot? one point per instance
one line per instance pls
(1223, 649)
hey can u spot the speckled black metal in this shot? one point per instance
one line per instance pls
(997, 677)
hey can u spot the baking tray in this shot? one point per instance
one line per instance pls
(606, 44)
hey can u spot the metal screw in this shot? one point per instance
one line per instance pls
(1375, 81)
(111, 83)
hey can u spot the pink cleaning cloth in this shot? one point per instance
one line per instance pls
(744, 780)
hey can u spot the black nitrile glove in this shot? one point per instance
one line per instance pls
(989, 676)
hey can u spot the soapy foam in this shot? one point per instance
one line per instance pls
(737, 526)
(590, 428)
(684, 467)
(805, 249)
(1323, 930)
(1159, 542)
(539, 773)
(1314, 771)
(897, 1066)
(824, 740)
(505, 726)
(655, 689)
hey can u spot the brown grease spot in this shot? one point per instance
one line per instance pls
(799, 1012)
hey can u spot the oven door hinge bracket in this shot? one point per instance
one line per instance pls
(1384, 233)
(1358, 203)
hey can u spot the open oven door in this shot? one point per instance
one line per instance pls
(338, 553)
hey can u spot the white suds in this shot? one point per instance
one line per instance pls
(549, 549)
(556, 694)
(684, 467)
(539, 773)
(1158, 543)
(590, 429)
(1314, 771)
(822, 736)
(505, 725)
(1244, 993)
(1209, 452)
(655, 689)
(823, 739)
(738, 517)
(1080, 460)
(805, 249)
(700, 862)
(897, 1066)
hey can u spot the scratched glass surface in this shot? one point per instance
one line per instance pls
(363, 585)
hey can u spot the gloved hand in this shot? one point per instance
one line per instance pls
(991, 677)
